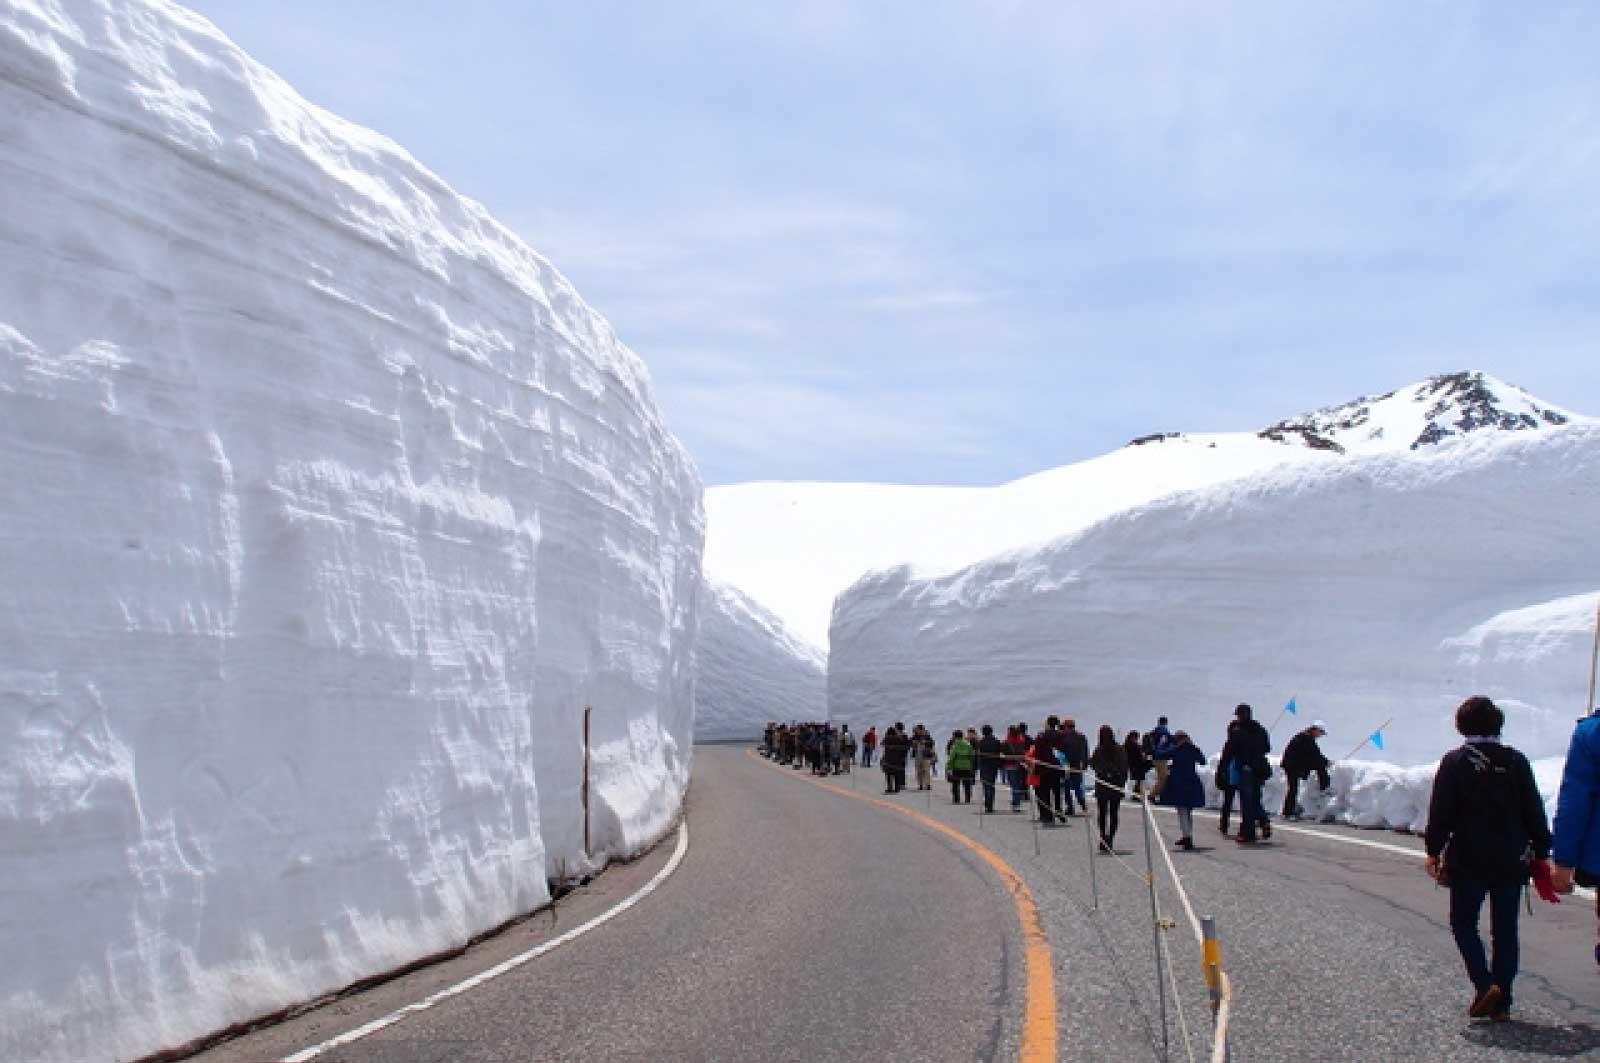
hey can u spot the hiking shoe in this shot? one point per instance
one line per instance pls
(1503, 1015)
(1487, 1003)
(1266, 830)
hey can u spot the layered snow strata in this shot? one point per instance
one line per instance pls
(327, 507)
(752, 669)
(1348, 584)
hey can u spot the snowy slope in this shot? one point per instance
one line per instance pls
(327, 506)
(1368, 587)
(794, 547)
(751, 669)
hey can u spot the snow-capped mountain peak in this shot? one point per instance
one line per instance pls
(1423, 414)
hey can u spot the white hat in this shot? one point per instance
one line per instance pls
(1319, 725)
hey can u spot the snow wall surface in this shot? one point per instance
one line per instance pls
(1386, 586)
(327, 507)
(752, 669)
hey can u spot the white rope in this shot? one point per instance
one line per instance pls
(1177, 998)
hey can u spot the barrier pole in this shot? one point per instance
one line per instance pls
(1211, 953)
(1094, 877)
(1594, 661)
(587, 850)
(1155, 929)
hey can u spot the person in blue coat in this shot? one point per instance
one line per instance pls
(1183, 789)
(1575, 842)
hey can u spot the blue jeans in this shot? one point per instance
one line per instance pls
(1466, 903)
(1017, 776)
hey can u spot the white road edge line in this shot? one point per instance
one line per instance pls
(506, 965)
(1579, 891)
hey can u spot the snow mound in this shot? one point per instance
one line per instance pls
(1422, 415)
(1348, 584)
(795, 546)
(752, 669)
(328, 506)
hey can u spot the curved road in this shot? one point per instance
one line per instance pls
(808, 926)
(800, 926)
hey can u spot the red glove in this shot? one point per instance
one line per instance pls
(1543, 885)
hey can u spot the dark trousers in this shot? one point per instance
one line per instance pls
(1228, 794)
(1291, 799)
(1251, 813)
(894, 775)
(1075, 786)
(987, 778)
(866, 756)
(1048, 794)
(960, 780)
(1466, 904)
(1107, 807)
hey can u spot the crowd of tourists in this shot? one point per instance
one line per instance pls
(1487, 838)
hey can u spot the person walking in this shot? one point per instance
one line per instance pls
(1158, 748)
(923, 756)
(869, 744)
(1109, 762)
(1045, 773)
(1075, 744)
(960, 762)
(1017, 767)
(1225, 776)
(1575, 848)
(1138, 763)
(1249, 770)
(896, 746)
(1182, 789)
(991, 754)
(1484, 817)
(847, 751)
(1301, 758)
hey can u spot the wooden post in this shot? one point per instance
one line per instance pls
(587, 850)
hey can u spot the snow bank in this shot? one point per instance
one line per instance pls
(1366, 793)
(752, 669)
(1356, 585)
(327, 507)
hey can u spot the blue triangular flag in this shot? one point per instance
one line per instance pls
(1291, 708)
(1377, 739)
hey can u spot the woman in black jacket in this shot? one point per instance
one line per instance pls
(1484, 821)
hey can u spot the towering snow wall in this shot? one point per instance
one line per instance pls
(327, 506)
(1385, 586)
(752, 669)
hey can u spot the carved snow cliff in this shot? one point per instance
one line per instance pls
(327, 506)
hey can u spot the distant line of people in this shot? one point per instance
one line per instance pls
(1487, 837)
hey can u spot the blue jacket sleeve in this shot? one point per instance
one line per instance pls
(1580, 792)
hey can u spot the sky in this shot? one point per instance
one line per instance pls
(958, 243)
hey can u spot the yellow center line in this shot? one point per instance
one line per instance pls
(1039, 1001)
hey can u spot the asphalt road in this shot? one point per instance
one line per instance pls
(800, 927)
(805, 925)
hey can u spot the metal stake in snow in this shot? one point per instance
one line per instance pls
(587, 850)
(1088, 837)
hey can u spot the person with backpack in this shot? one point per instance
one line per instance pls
(1075, 745)
(1575, 848)
(1138, 763)
(1016, 766)
(1301, 758)
(895, 748)
(869, 743)
(1109, 763)
(1485, 820)
(1224, 777)
(1158, 750)
(1248, 770)
(1045, 774)
(991, 754)
(923, 756)
(960, 762)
